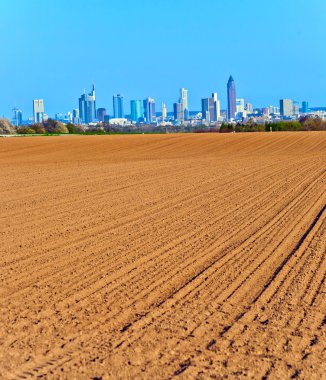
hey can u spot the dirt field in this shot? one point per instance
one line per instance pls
(161, 257)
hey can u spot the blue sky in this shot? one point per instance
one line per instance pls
(52, 49)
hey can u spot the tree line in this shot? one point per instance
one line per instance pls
(53, 127)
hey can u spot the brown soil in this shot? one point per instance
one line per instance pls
(172, 256)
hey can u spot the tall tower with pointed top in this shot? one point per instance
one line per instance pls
(232, 105)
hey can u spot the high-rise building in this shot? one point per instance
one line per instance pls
(231, 95)
(240, 108)
(305, 107)
(265, 111)
(75, 116)
(101, 112)
(286, 107)
(164, 112)
(149, 110)
(296, 108)
(38, 110)
(184, 101)
(118, 109)
(274, 110)
(136, 110)
(17, 117)
(217, 105)
(249, 108)
(178, 112)
(210, 108)
(87, 107)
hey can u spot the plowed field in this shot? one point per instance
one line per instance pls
(162, 257)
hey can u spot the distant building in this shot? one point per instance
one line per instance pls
(136, 110)
(274, 110)
(149, 110)
(118, 108)
(305, 107)
(164, 112)
(265, 111)
(178, 112)
(249, 108)
(17, 117)
(210, 108)
(101, 112)
(296, 109)
(240, 108)
(286, 107)
(217, 105)
(231, 95)
(75, 116)
(38, 110)
(184, 101)
(87, 107)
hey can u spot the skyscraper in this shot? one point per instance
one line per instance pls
(18, 117)
(178, 112)
(210, 108)
(87, 107)
(38, 110)
(118, 109)
(296, 108)
(164, 112)
(184, 101)
(286, 107)
(75, 116)
(136, 110)
(231, 92)
(101, 112)
(305, 107)
(240, 108)
(217, 106)
(149, 110)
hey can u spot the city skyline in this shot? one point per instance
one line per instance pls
(87, 112)
(280, 63)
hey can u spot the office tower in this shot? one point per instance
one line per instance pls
(249, 108)
(68, 117)
(136, 110)
(305, 107)
(265, 111)
(286, 107)
(18, 117)
(296, 108)
(231, 95)
(58, 116)
(210, 108)
(240, 108)
(178, 112)
(118, 110)
(164, 112)
(101, 112)
(38, 110)
(217, 106)
(184, 101)
(87, 107)
(75, 116)
(149, 110)
(240, 105)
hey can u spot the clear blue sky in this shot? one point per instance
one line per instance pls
(52, 49)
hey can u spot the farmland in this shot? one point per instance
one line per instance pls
(163, 256)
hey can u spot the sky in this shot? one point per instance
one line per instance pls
(53, 49)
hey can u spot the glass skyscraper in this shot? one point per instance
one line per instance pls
(136, 110)
(38, 110)
(87, 107)
(231, 92)
(149, 110)
(118, 110)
